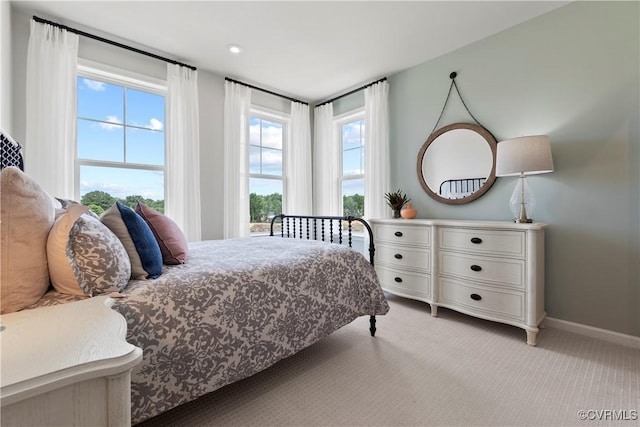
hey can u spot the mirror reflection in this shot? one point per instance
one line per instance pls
(457, 163)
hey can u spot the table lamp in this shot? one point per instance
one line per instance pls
(527, 155)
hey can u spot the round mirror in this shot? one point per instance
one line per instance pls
(457, 163)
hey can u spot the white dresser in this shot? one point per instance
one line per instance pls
(67, 365)
(488, 269)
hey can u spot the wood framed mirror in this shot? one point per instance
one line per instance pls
(457, 163)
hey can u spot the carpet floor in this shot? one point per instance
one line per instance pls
(453, 370)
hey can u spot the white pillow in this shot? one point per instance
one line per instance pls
(85, 257)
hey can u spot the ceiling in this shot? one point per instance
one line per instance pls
(311, 50)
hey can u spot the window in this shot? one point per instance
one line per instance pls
(352, 136)
(267, 133)
(120, 140)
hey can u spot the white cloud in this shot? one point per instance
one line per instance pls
(155, 124)
(94, 85)
(109, 126)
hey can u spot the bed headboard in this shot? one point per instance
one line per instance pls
(458, 188)
(10, 152)
(325, 228)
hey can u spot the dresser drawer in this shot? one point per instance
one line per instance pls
(413, 285)
(480, 300)
(496, 271)
(404, 257)
(490, 242)
(403, 235)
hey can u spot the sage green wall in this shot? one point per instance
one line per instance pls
(571, 74)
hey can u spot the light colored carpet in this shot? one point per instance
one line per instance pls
(452, 370)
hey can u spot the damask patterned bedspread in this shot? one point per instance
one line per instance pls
(235, 308)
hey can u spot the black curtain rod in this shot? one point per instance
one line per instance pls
(352, 91)
(111, 42)
(265, 90)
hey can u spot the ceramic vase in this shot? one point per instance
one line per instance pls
(408, 211)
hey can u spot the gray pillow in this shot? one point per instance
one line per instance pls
(85, 257)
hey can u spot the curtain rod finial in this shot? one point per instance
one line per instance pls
(453, 75)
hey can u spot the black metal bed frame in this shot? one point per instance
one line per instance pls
(313, 227)
(462, 185)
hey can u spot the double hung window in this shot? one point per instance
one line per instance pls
(120, 140)
(267, 142)
(351, 129)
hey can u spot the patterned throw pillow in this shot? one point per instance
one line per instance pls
(137, 238)
(85, 257)
(172, 241)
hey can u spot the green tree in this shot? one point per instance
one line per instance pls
(96, 209)
(98, 198)
(273, 205)
(353, 205)
(256, 207)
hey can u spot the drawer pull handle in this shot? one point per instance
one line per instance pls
(475, 297)
(398, 233)
(398, 279)
(476, 267)
(398, 256)
(476, 240)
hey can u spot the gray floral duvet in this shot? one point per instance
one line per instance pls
(235, 308)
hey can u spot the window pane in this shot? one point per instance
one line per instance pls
(145, 146)
(265, 201)
(99, 141)
(100, 101)
(271, 162)
(353, 134)
(254, 131)
(145, 109)
(254, 159)
(353, 197)
(120, 183)
(353, 162)
(271, 134)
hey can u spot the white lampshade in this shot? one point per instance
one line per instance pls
(528, 154)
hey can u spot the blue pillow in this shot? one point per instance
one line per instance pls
(138, 240)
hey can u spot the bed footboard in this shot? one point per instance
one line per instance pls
(327, 229)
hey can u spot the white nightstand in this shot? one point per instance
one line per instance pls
(66, 365)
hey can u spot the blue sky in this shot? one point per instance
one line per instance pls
(101, 136)
(109, 115)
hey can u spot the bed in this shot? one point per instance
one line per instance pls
(234, 308)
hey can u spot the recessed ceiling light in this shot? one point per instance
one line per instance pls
(234, 48)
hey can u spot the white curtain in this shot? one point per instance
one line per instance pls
(377, 165)
(298, 192)
(50, 145)
(327, 175)
(237, 103)
(182, 179)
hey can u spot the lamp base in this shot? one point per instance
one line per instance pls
(522, 202)
(523, 221)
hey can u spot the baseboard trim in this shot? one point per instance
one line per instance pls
(593, 332)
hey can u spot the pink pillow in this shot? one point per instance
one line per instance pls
(27, 216)
(172, 241)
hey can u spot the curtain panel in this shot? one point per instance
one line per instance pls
(327, 155)
(50, 145)
(377, 163)
(237, 104)
(298, 189)
(182, 169)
